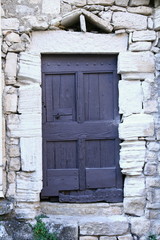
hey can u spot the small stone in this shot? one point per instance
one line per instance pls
(147, 35)
(14, 151)
(3, 234)
(140, 46)
(11, 191)
(78, 3)
(49, 7)
(150, 106)
(14, 164)
(17, 47)
(11, 177)
(10, 24)
(140, 10)
(23, 10)
(157, 19)
(122, 3)
(35, 23)
(126, 237)
(139, 2)
(107, 238)
(134, 206)
(147, 90)
(10, 99)
(11, 66)
(6, 207)
(134, 186)
(150, 23)
(153, 146)
(106, 15)
(152, 182)
(88, 238)
(150, 169)
(13, 37)
(140, 226)
(2, 12)
(101, 2)
(4, 47)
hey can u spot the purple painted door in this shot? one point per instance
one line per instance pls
(80, 128)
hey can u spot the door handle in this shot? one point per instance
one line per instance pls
(57, 116)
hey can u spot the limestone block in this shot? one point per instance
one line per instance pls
(14, 164)
(139, 2)
(150, 106)
(51, 7)
(25, 125)
(134, 186)
(24, 10)
(104, 226)
(126, 20)
(29, 68)
(10, 24)
(148, 77)
(26, 93)
(136, 125)
(11, 66)
(150, 169)
(140, 226)
(130, 97)
(10, 99)
(132, 157)
(69, 42)
(35, 23)
(140, 46)
(88, 238)
(152, 182)
(157, 19)
(134, 206)
(147, 90)
(106, 15)
(150, 23)
(122, 3)
(31, 158)
(153, 146)
(103, 2)
(17, 47)
(154, 195)
(6, 207)
(79, 3)
(14, 151)
(125, 237)
(13, 37)
(11, 190)
(140, 10)
(11, 177)
(118, 9)
(147, 35)
(26, 210)
(136, 62)
(107, 238)
(28, 187)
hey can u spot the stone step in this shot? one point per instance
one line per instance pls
(89, 225)
(98, 209)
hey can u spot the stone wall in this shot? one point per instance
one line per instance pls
(127, 28)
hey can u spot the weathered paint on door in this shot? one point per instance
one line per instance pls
(80, 128)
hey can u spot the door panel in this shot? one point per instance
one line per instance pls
(80, 128)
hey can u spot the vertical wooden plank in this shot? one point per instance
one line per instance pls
(107, 153)
(80, 98)
(82, 165)
(49, 99)
(93, 154)
(50, 152)
(56, 91)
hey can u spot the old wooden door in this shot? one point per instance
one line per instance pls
(80, 128)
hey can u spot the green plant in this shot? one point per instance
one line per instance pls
(152, 237)
(41, 232)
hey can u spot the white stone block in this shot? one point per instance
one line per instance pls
(103, 2)
(147, 90)
(26, 210)
(129, 62)
(13, 37)
(132, 157)
(150, 23)
(30, 153)
(125, 237)
(10, 23)
(25, 125)
(69, 42)
(130, 97)
(136, 125)
(14, 164)
(13, 151)
(28, 187)
(140, 46)
(29, 68)
(26, 93)
(140, 226)
(126, 20)
(139, 2)
(88, 238)
(34, 23)
(157, 19)
(141, 10)
(153, 146)
(11, 65)
(108, 238)
(134, 186)
(147, 35)
(10, 99)
(122, 3)
(150, 106)
(134, 206)
(79, 3)
(51, 7)
(148, 77)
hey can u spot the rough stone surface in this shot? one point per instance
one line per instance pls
(136, 62)
(122, 3)
(3, 234)
(69, 42)
(157, 19)
(136, 125)
(150, 106)
(104, 226)
(140, 226)
(150, 169)
(134, 186)
(10, 24)
(14, 164)
(134, 206)
(148, 35)
(14, 151)
(78, 3)
(123, 20)
(88, 238)
(130, 97)
(140, 10)
(11, 66)
(13, 37)
(6, 207)
(139, 2)
(51, 7)
(140, 46)
(108, 238)
(103, 2)
(10, 99)
(153, 146)
(125, 237)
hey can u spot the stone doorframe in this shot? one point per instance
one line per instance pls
(27, 126)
